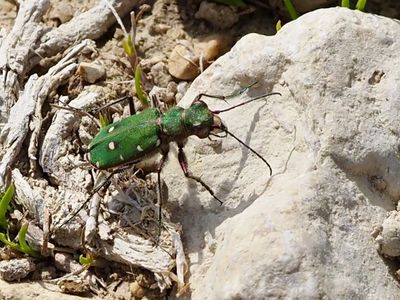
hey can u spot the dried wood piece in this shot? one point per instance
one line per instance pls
(14, 132)
(56, 76)
(134, 250)
(91, 222)
(17, 49)
(88, 25)
(53, 147)
(181, 263)
(27, 42)
(29, 198)
(36, 91)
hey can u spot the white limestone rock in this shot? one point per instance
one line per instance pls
(305, 232)
(389, 235)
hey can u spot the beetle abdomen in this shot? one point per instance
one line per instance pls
(125, 141)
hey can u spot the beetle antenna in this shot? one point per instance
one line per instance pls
(248, 147)
(245, 102)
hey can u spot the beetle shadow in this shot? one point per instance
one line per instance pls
(204, 220)
(242, 163)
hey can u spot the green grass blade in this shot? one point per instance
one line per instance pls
(290, 7)
(278, 25)
(138, 87)
(345, 3)
(104, 120)
(6, 241)
(127, 44)
(237, 3)
(361, 5)
(23, 245)
(86, 260)
(4, 202)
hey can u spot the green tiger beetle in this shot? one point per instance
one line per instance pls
(142, 135)
(138, 136)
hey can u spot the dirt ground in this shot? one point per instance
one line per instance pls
(174, 43)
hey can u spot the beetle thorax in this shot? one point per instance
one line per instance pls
(179, 123)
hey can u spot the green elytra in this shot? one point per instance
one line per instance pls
(134, 137)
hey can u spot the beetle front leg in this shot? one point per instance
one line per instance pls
(185, 168)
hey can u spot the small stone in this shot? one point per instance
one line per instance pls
(6, 6)
(388, 238)
(45, 273)
(16, 269)
(73, 285)
(378, 183)
(181, 89)
(66, 263)
(220, 16)
(159, 28)
(172, 87)
(136, 290)
(212, 46)
(159, 72)
(90, 72)
(62, 12)
(183, 63)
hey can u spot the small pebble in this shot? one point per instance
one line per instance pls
(183, 63)
(73, 285)
(90, 72)
(159, 28)
(16, 269)
(160, 75)
(136, 290)
(212, 46)
(66, 263)
(62, 12)
(45, 273)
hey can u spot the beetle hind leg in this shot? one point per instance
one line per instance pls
(185, 168)
(164, 157)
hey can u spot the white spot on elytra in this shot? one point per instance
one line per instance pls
(97, 164)
(121, 157)
(111, 145)
(111, 129)
(197, 124)
(158, 143)
(139, 148)
(88, 156)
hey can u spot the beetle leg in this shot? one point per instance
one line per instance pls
(132, 109)
(222, 97)
(164, 157)
(155, 101)
(185, 168)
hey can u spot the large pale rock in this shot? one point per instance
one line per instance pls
(332, 140)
